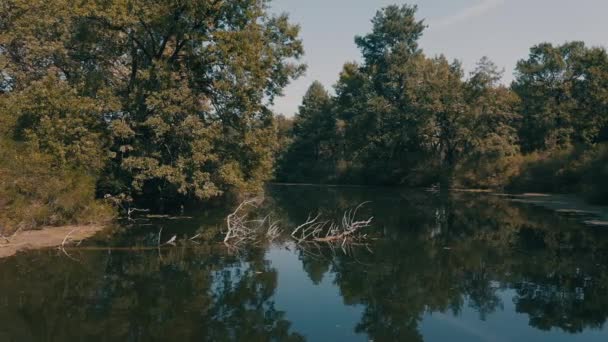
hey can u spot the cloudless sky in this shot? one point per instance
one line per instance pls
(503, 30)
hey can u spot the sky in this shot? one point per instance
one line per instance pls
(503, 30)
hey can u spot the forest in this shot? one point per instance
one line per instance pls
(403, 118)
(108, 103)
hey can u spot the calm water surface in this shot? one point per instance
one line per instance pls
(457, 267)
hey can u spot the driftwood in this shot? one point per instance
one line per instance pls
(240, 230)
(348, 230)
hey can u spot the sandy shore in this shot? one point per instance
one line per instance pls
(46, 237)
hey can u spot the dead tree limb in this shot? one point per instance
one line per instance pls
(347, 231)
(241, 230)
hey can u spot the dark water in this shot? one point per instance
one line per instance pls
(458, 267)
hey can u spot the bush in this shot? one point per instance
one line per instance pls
(35, 194)
(595, 181)
(487, 173)
(581, 170)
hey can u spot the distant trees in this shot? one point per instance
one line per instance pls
(400, 110)
(312, 154)
(171, 100)
(401, 117)
(491, 124)
(564, 94)
(404, 117)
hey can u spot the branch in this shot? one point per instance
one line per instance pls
(348, 231)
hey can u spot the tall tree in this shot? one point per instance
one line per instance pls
(192, 82)
(401, 109)
(492, 129)
(312, 154)
(493, 108)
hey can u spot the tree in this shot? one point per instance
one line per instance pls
(493, 107)
(402, 110)
(492, 129)
(312, 154)
(52, 118)
(395, 31)
(192, 82)
(563, 92)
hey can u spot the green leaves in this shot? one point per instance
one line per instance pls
(53, 118)
(313, 154)
(186, 85)
(564, 96)
(395, 31)
(401, 117)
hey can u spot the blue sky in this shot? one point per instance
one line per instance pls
(467, 30)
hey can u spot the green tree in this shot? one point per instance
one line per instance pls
(52, 118)
(312, 155)
(402, 111)
(192, 82)
(563, 92)
(492, 134)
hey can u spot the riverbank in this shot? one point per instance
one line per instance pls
(45, 238)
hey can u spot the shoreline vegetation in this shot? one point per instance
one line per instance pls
(401, 117)
(110, 106)
(68, 238)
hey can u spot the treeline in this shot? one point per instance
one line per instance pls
(163, 100)
(107, 102)
(401, 117)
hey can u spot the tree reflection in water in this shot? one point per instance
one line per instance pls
(191, 294)
(436, 254)
(441, 252)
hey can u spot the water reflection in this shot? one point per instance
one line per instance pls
(187, 295)
(460, 266)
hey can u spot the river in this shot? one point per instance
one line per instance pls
(436, 267)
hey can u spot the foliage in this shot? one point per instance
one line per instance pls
(576, 169)
(492, 147)
(311, 154)
(165, 99)
(35, 193)
(51, 118)
(171, 101)
(564, 93)
(401, 117)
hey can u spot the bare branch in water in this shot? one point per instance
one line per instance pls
(348, 231)
(171, 241)
(241, 230)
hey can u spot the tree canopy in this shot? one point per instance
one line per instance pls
(163, 97)
(402, 117)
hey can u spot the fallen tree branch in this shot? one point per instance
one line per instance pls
(348, 230)
(241, 230)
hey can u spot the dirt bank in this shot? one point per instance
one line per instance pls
(46, 237)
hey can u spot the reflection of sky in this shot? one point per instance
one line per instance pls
(503, 30)
(500, 326)
(319, 313)
(316, 311)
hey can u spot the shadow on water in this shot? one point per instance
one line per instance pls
(463, 267)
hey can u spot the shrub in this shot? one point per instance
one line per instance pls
(567, 170)
(33, 193)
